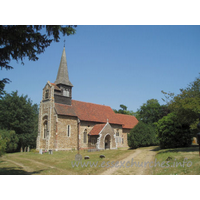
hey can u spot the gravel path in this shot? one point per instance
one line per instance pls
(141, 155)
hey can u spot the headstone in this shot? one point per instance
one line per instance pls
(28, 149)
(21, 150)
(78, 157)
(40, 151)
(50, 152)
(24, 149)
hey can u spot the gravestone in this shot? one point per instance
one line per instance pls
(28, 149)
(24, 149)
(40, 151)
(78, 157)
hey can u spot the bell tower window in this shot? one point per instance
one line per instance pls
(46, 94)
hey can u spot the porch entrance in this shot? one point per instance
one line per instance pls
(107, 142)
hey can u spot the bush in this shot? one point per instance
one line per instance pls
(11, 140)
(2, 146)
(172, 134)
(142, 135)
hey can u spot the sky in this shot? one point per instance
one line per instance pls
(112, 65)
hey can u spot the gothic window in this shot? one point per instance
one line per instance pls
(45, 129)
(68, 130)
(85, 136)
(117, 133)
(46, 94)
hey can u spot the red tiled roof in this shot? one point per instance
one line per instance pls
(95, 113)
(96, 129)
(55, 86)
(62, 109)
(128, 121)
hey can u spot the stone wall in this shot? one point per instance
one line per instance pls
(65, 142)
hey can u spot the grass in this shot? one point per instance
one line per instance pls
(59, 163)
(175, 158)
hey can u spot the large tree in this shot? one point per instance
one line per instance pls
(123, 110)
(18, 42)
(151, 111)
(19, 114)
(186, 105)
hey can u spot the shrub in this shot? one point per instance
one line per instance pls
(2, 146)
(171, 133)
(11, 140)
(142, 135)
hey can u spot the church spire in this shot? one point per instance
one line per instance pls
(62, 76)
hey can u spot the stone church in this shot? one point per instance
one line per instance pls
(66, 124)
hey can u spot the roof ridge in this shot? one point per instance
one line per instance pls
(92, 103)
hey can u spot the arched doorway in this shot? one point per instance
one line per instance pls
(107, 142)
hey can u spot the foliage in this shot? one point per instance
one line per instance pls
(186, 105)
(18, 42)
(123, 110)
(142, 135)
(2, 145)
(172, 133)
(151, 111)
(17, 113)
(11, 140)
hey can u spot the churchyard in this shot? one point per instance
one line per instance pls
(148, 162)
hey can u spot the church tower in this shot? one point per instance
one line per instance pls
(63, 94)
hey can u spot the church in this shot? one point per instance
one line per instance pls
(66, 124)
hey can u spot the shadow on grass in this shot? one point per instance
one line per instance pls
(193, 148)
(16, 171)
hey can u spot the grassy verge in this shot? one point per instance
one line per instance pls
(178, 161)
(60, 163)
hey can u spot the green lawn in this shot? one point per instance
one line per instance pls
(60, 163)
(175, 158)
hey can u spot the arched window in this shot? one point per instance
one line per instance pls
(117, 133)
(45, 129)
(85, 136)
(68, 130)
(46, 94)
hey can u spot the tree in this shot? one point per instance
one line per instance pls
(11, 140)
(151, 111)
(142, 135)
(18, 42)
(172, 133)
(17, 113)
(186, 105)
(2, 146)
(124, 110)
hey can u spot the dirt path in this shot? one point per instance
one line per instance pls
(141, 155)
(27, 169)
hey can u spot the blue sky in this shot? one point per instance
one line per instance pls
(115, 65)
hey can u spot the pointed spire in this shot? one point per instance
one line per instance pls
(62, 76)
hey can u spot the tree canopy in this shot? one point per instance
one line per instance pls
(186, 105)
(18, 42)
(123, 110)
(151, 111)
(19, 114)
